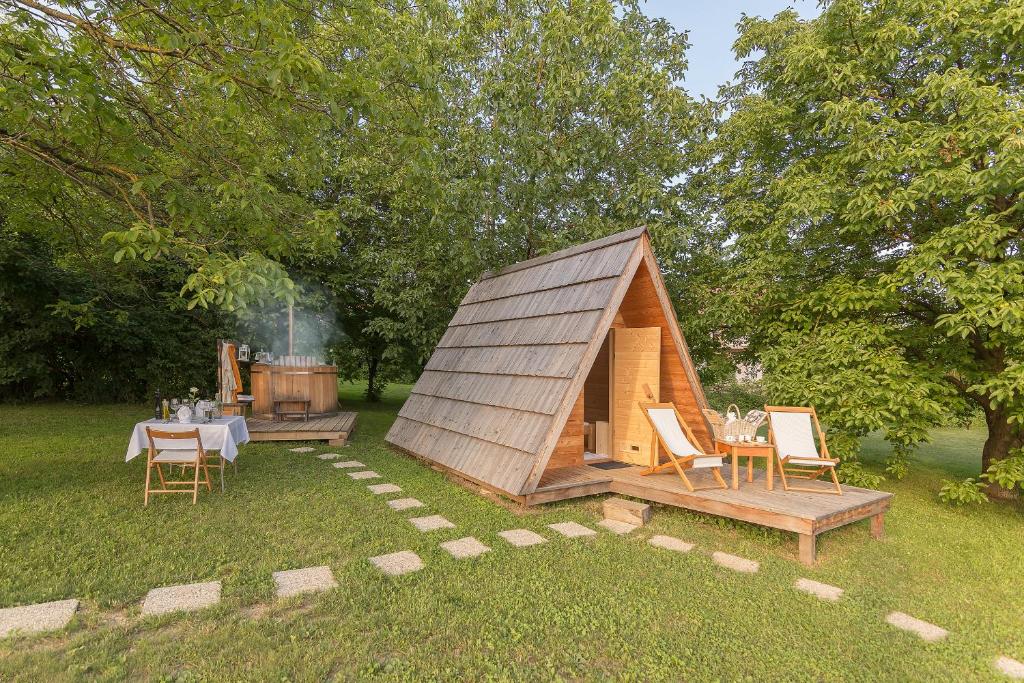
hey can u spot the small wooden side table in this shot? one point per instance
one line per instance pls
(749, 450)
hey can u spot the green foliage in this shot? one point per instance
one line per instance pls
(854, 474)
(866, 193)
(746, 395)
(960, 493)
(1007, 473)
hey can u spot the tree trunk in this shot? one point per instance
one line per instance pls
(1002, 437)
(372, 391)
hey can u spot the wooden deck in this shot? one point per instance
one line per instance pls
(335, 430)
(806, 514)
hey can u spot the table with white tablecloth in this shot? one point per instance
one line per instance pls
(224, 434)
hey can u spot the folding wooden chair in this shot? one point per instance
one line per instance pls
(187, 455)
(673, 434)
(790, 429)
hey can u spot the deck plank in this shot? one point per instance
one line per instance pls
(333, 428)
(804, 513)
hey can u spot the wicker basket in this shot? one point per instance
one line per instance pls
(739, 428)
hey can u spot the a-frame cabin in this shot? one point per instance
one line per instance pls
(543, 347)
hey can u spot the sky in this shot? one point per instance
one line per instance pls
(712, 28)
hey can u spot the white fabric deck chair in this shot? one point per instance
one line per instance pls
(673, 434)
(792, 432)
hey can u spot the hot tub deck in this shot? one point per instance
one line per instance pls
(335, 430)
(806, 514)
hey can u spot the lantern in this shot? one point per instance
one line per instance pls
(243, 353)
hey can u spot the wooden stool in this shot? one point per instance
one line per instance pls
(281, 414)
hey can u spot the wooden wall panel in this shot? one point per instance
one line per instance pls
(642, 308)
(595, 391)
(569, 449)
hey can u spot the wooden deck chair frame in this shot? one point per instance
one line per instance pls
(799, 471)
(677, 462)
(198, 462)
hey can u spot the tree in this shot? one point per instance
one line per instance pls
(869, 177)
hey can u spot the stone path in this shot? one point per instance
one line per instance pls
(302, 449)
(431, 523)
(1010, 667)
(45, 616)
(311, 579)
(927, 632)
(349, 463)
(399, 563)
(572, 529)
(384, 488)
(735, 563)
(329, 456)
(185, 598)
(670, 543)
(522, 538)
(465, 547)
(617, 527)
(404, 504)
(821, 590)
(367, 474)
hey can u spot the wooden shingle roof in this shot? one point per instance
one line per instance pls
(506, 371)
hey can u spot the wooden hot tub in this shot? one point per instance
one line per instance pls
(316, 383)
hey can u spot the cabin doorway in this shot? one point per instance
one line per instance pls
(627, 370)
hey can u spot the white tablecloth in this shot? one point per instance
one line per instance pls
(224, 434)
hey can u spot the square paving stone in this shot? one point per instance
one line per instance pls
(185, 598)
(522, 538)
(1011, 668)
(302, 449)
(465, 547)
(368, 474)
(572, 529)
(821, 590)
(384, 488)
(617, 526)
(45, 616)
(348, 463)
(431, 523)
(670, 543)
(399, 563)
(735, 563)
(404, 503)
(329, 456)
(927, 632)
(311, 579)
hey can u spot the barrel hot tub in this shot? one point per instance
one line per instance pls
(317, 384)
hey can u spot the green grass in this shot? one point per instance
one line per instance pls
(72, 525)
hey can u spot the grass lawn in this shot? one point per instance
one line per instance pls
(72, 525)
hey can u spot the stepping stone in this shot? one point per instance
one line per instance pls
(522, 538)
(399, 563)
(431, 523)
(465, 547)
(1010, 667)
(821, 590)
(367, 474)
(572, 529)
(404, 504)
(185, 598)
(670, 543)
(45, 616)
(617, 526)
(302, 449)
(384, 488)
(927, 632)
(329, 456)
(735, 563)
(349, 463)
(312, 579)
